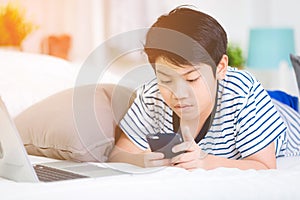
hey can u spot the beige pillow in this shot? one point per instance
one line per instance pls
(75, 124)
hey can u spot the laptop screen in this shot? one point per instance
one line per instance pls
(14, 161)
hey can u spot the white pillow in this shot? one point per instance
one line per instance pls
(26, 78)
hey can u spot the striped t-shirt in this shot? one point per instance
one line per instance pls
(245, 120)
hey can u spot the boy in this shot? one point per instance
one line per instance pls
(226, 118)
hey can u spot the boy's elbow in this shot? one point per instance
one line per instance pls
(114, 155)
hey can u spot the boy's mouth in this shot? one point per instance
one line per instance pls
(182, 107)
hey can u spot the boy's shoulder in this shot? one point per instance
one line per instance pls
(238, 81)
(240, 75)
(149, 88)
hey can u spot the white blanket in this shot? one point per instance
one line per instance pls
(169, 183)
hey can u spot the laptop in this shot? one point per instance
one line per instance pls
(15, 163)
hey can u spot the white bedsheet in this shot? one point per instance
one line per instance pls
(169, 183)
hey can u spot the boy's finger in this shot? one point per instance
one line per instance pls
(182, 147)
(154, 156)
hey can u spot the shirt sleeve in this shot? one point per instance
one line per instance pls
(291, 118)
(258, 122)
(139, 120)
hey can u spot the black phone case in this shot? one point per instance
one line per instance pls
(163, 142)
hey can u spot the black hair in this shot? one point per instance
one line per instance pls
(186, 37)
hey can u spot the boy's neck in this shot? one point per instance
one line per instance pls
(196, 124)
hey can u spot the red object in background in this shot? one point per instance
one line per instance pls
(57, 45)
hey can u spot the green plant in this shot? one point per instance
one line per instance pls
(235, 56)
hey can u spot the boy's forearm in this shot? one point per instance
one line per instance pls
(244, 164)
(120, 155)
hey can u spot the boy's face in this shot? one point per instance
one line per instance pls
(189, 91)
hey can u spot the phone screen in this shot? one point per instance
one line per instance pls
(164, 142)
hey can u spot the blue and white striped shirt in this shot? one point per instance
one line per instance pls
(245, 121)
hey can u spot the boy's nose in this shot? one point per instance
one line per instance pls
(180, 90)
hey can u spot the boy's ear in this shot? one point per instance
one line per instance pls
(222, 67)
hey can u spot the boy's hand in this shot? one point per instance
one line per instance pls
(155, 159)
(193, 157)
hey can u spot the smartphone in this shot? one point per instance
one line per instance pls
(164, 142)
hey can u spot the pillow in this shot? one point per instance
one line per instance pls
(27, 78)
(296, 65)
(76, 124)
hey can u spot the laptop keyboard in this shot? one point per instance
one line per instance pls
(48, 174)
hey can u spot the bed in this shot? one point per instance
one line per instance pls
(28, 79)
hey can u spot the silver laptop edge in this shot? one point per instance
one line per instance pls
(13, 164)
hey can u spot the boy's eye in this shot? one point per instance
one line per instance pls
(165, 81)
(193, 79)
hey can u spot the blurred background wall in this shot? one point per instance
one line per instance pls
(91, 22)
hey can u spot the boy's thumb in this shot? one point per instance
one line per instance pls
(186, 134)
